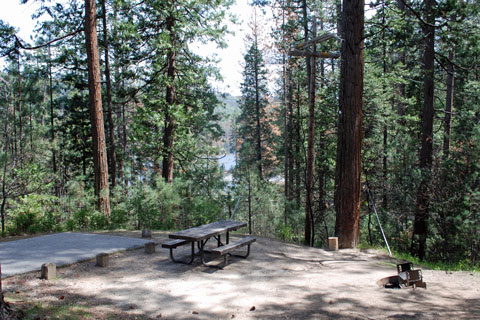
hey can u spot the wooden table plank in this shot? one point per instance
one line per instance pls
(208, 230)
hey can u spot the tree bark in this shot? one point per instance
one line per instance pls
(420, 227)
(52, 119)
(285, 78)
(309, 226)
(20, 120)
(112, 157)
(401, 87)
(298, 143)
(4, 176)
(449, 106)
(96, 112)
(348, 166)
(258, 116)
(171, 98)
(5, 310)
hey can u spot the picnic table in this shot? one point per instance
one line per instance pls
(200, 236)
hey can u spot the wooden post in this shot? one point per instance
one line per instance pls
(102, 260)
(146, 233)
(333, 243)
(49, 271)
(150, 247)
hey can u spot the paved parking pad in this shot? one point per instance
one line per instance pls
(27, 255)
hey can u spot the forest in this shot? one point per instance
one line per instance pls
(109, 120)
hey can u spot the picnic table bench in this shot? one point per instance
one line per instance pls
(202, 234)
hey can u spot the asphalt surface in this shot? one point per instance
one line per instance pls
(27, 255)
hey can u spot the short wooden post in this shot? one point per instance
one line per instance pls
(333, 243)
(146, 233)
(49, 271)
(150, 247)
(102, 260)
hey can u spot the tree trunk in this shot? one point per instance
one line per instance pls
(321, 157)
(249, 203)
(348, 166)
(385, 128)
(449, 106)
(96, 113)
(112, 157)
(258, 115)
(4, 191)
(298, 142)
(285, 78)
(20, 120)
(401, 87)
(5, 310)
(171, 98)
(420, 226)
(291, 170)
(309, 183)
(52, 118)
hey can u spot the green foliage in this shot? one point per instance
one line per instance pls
(34, 213)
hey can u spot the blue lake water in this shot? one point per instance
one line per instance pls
(228, 162)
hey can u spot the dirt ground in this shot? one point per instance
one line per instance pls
(278, 281)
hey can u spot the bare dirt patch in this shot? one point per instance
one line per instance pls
(278, 281)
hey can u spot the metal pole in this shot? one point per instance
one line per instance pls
(378, 219)
(236, 207)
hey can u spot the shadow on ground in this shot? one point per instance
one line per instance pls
(278, 281)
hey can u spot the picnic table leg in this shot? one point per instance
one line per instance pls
(185, 262)
(244, 256)
(206, 264)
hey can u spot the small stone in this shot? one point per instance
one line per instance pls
(252, 308)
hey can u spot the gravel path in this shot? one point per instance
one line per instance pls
(27, 255)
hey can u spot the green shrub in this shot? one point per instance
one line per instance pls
(86, 219)
(34, 213)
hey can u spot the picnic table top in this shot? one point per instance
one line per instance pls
(207, 230)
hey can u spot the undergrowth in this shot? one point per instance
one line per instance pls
(464, 265)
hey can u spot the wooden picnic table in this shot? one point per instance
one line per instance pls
(203, 233)
(207, 231)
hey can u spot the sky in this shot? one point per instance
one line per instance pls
(20, 16)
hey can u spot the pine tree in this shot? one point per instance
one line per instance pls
(348, 168)
(253, 128)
